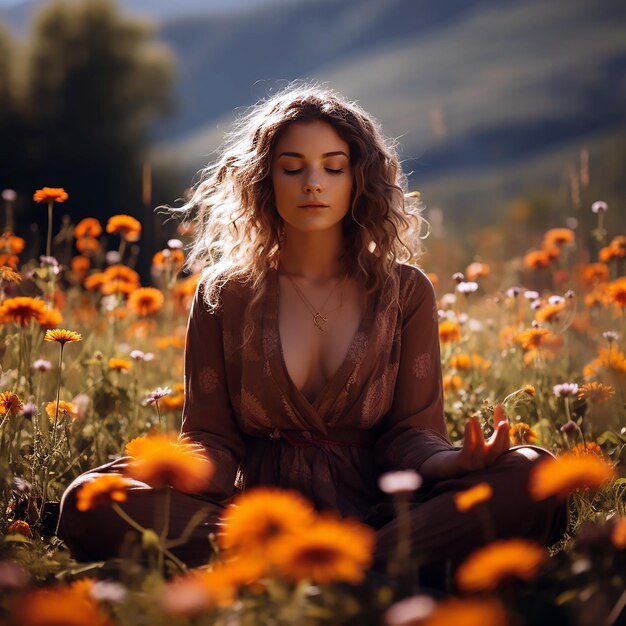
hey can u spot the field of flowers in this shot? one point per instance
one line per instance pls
(92, 368)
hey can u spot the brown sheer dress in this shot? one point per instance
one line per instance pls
(381, 411)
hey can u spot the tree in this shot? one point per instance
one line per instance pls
(97, 81)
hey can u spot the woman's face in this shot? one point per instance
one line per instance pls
(312, 177)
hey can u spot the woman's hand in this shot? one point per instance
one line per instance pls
(477, 453)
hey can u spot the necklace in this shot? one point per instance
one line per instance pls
(319, 317)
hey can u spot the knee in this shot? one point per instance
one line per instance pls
(90, 535)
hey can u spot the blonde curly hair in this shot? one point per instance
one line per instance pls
(232, 209)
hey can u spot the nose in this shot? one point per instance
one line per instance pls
(312, 187)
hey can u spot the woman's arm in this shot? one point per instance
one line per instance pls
(208, 417)
(414, 434)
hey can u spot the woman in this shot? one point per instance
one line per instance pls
(312, 357)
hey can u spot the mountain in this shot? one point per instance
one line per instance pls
(469, 87)
(485, 97)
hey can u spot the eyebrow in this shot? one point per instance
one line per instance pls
(297, 155)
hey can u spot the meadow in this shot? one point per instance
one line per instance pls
(92, 369)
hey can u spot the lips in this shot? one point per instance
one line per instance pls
(313, 205)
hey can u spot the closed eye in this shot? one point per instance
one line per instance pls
(328, 169)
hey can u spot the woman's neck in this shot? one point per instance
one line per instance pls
(312, 255)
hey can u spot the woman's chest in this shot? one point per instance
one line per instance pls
(315, 341)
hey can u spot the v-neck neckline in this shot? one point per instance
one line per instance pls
(343, 371)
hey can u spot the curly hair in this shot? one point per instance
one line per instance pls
(236, 224)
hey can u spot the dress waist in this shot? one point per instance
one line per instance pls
(347, 437)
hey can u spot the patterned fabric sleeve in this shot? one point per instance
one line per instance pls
(415, 429)
(208, 418)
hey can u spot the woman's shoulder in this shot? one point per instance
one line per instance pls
(414, 284)
(219, 293)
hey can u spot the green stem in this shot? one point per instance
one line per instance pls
(140, 529)
(49, 240)
(158, 410)
(166, 522)
(56, 412)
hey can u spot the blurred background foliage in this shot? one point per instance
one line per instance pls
(510, 116)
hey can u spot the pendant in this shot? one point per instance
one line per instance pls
(319, 320)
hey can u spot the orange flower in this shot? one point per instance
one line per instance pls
(170, 342)
(558, 237)
(172, 403)
(615, 250)
(452, 383)
(174, 258)
(22, 309)
(83, 586)
(596, 392)
(449, 331)
(617, 291)
(10, 403)
(65, 408)
(87, 227)
(551, 252)
(94, 282)
(10, 260)
(56, 606)
(203, 589)
(50, 194)
(160, 460)
(62, 336)
(499, 562)
(537, 338)
(330, 550)
(550, 313)
(19, 527)
(10, 244)
(522, 433)
(611, 360)
(80, 264)
(119, 364)
(145, 301)
(460, 361)
(618, 536)
(119, 287)
(433, 278)
(529, 389)
(52, 318)
(87, 245)
(123, 273)
(260, 518)
(598, 297)
(592, 273)
(101, 491)
(125, 226)
(141, 329)
(479, 363)
(538, 259)
(468, 612)
(469, 498)
(565, 474)
(477, 270)
(590, 447)
(9, 275)
(463, 361)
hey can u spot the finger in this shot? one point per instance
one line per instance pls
(478, 456)
(478, 433)
(470, 434)
(500, 442)
(499, 415)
